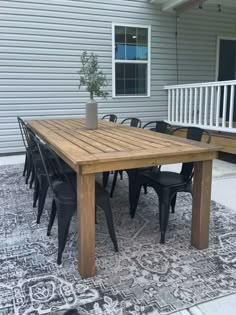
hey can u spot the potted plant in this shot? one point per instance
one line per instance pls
(94, 79)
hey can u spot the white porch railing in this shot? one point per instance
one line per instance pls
(208, 105)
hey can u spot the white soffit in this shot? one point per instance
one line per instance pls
(184, 5)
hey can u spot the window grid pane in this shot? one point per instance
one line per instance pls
(131, 79)
(131, 43)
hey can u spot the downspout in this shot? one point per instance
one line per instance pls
(176, 48)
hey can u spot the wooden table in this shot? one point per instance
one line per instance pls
(113, 147)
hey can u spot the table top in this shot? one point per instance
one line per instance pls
(116, 146)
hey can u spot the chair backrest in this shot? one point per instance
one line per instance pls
(22, 127)
(133, 122)
(110, 117)
(52, 165)
(196, 134)
(158, 126)
(28, 136)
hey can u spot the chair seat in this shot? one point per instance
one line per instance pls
(66, 191)
(166, 179)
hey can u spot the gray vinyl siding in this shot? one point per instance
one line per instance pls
(41, 42)
(197, 32)
(40, 46)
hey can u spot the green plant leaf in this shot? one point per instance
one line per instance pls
(91, 76)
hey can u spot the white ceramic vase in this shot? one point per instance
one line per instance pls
(92, 115)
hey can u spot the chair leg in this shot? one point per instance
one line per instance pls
(28, 170)
(65, 213)
(134, 200)
(36, 191)
(113, 184)
(96, 222)
(104, 203)
(105, 177)
(132, 173)
(42, 196)
(173, 202)
(145, 189)
(32, 177)
(164, 209)
(25, 166)
(121, 174)
(52, 217)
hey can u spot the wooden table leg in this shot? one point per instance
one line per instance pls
(201, 203)
(86, 224)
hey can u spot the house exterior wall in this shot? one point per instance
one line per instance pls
(42, 41)
(197, 33)
(41, 45)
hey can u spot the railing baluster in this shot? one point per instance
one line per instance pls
(173, 105)
(231, 107)
(195, 106)
(185, 105)
(190, 106)
(181, 106)
(224, 105)
(206, 106)
(212, 104)
(200, 107)
(177, 106)
(218, 106)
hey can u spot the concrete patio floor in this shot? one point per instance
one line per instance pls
(224, 192)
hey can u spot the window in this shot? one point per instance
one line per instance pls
(131, 60)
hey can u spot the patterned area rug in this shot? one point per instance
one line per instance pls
(145, 277)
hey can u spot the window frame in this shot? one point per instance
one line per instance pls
(147, 62)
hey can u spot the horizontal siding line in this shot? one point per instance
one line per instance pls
(54, 106)
(23, 44)
(77, 32)
(156, 27)
(100, 15)
(109, 7)
(15, 36)
(74, 106)
(134, 3)
(155, 31)
(18, 31)
(60, 35)
(104, 7)
(81, 106)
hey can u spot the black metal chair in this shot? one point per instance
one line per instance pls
(65, 198)
(158, 126)
(110, 117)
(28, 166)
(40, 177)
(132, 122)
(168, 184)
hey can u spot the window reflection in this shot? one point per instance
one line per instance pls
(131, 43)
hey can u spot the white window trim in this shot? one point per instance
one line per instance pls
(148, 62)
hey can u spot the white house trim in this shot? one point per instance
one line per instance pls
(171, 4)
